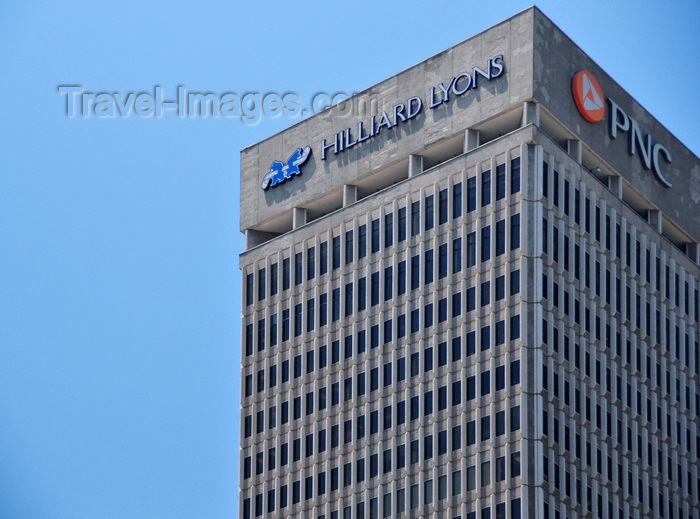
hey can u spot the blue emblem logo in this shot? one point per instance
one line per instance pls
(279, 172)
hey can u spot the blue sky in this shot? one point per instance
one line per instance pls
(119, 280)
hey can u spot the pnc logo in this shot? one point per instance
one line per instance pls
(588, 96)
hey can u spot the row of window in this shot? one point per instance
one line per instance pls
(673, 340)
(483, 431)
(458, 348)
(572, 442)
(356, 249)
(632, 305)
(321, 398)
(432, 489)
(270, 329)
(635, 489)
(644, 364)
(652, 413)
(669, 387)
(637, 257)
(431, 268)
(429, 353)
(673, 387)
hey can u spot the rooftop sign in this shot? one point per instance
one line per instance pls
(281, 172)
(588, 97)
(400, 113)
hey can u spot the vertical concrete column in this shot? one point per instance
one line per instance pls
(615, 185)
(575, 149)
(249, 239)
(349, 194)
(471, 139)
(415, 165)
(298, 217)
(654, 219)
(531, 113)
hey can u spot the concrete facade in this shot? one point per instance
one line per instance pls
(488, 310)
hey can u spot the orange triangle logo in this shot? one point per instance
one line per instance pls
(588, 96)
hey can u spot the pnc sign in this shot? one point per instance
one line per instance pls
(588, 97)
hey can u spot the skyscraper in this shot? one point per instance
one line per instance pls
(470, 292)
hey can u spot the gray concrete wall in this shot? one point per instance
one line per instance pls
(556, 60)
(512, 38)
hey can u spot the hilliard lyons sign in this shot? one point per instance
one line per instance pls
(589, 101)
(400, 113)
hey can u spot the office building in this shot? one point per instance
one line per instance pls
(472, 292)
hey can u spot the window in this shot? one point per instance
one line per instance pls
(428, 267)
(515, 418)
(361, 294)
(500, 423)
(402, 277)
(501, 474)
(456, 255)
(249, 289)
(500, 181)
(388, 230)
(456, 304)
(486, 243)
(285, 274)
(348, 300)
(323, 268)
(261, 284)
(375, 236)
(402, 224)
(471, 194)
(500, 287)
(515, 175)
(335, 304)
(457, 200)
(485, 293)
(261, 334)
(298, 268)
(349, 256)
(442, 206)
(362, 241)
(515, 372)
(500, 237)
(515, 231)
(471, 249)
(415, 272)
(442, 261)
(297, 320)
(515, 464)
(323, 310)
(415, 218)
(336, 252)
(388, 283)
(310, 314)
(485, 188)
(429, 210)
(374, 290)
(311, 263)
(273, 279)
(515, 282)
(485, 382)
